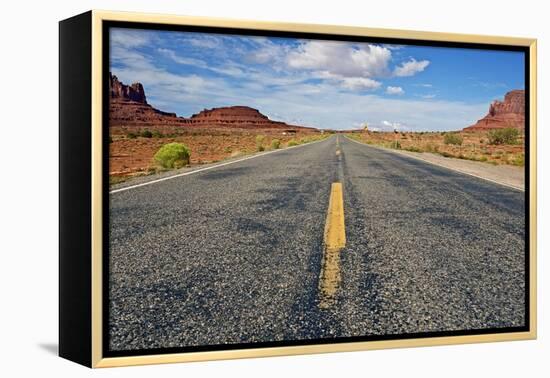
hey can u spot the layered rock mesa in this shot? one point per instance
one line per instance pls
(502, 114)
(242, 117)
(128, 107)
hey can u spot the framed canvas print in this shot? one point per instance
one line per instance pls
(235, 189)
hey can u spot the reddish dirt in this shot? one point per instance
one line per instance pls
(211, 135)
(130, 157)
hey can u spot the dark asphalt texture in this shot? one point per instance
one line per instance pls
(233, 254)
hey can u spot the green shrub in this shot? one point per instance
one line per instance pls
(519, 160)
(131, 135)
(275, 144)
(113, 180)
(260, 142)
(157, 134)
(172, 155)
(227, 149)
(452, 138)
(507, 135)
(292, 143)
(430, 147)
(146, 134)
(396, 145)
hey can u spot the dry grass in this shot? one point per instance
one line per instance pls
(473, 146)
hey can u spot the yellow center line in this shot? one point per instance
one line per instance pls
(334, 242)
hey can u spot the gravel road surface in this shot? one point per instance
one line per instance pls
(233, 254)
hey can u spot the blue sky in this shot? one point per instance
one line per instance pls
(325, 84)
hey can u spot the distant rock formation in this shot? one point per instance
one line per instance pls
(134, 92)
(502, 114)
(231, 113)
(128, 107)
(236, 116)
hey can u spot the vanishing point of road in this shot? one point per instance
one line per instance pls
(329, 239)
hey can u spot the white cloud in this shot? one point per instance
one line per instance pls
(204, 41)
(264, 55)
(394, 90)
(351, 83)
(360, 83)
(337, 110)
(341, 58)
(395, 47)
(129, 38)
(164, 89)
(309, 96)
(411, 67)
(128, 57)
(228, 69)
(182, 60)
(320, 105)
(352, 66)
(390, 126)
(488, 85)
(264, 51)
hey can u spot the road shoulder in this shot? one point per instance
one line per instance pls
(509, 176)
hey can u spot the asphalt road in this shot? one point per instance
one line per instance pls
(233, 254)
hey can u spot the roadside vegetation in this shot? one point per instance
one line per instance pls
(260, 142)
(503, 136)
(500, 146)
(453, 138)
(172, 155)
(146, 134)
(143, 151)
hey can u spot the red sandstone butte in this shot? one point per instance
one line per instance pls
(128, 107)
(242, 117)
(502, 114)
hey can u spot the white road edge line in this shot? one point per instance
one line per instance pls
(211, 167)
(442, 166)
